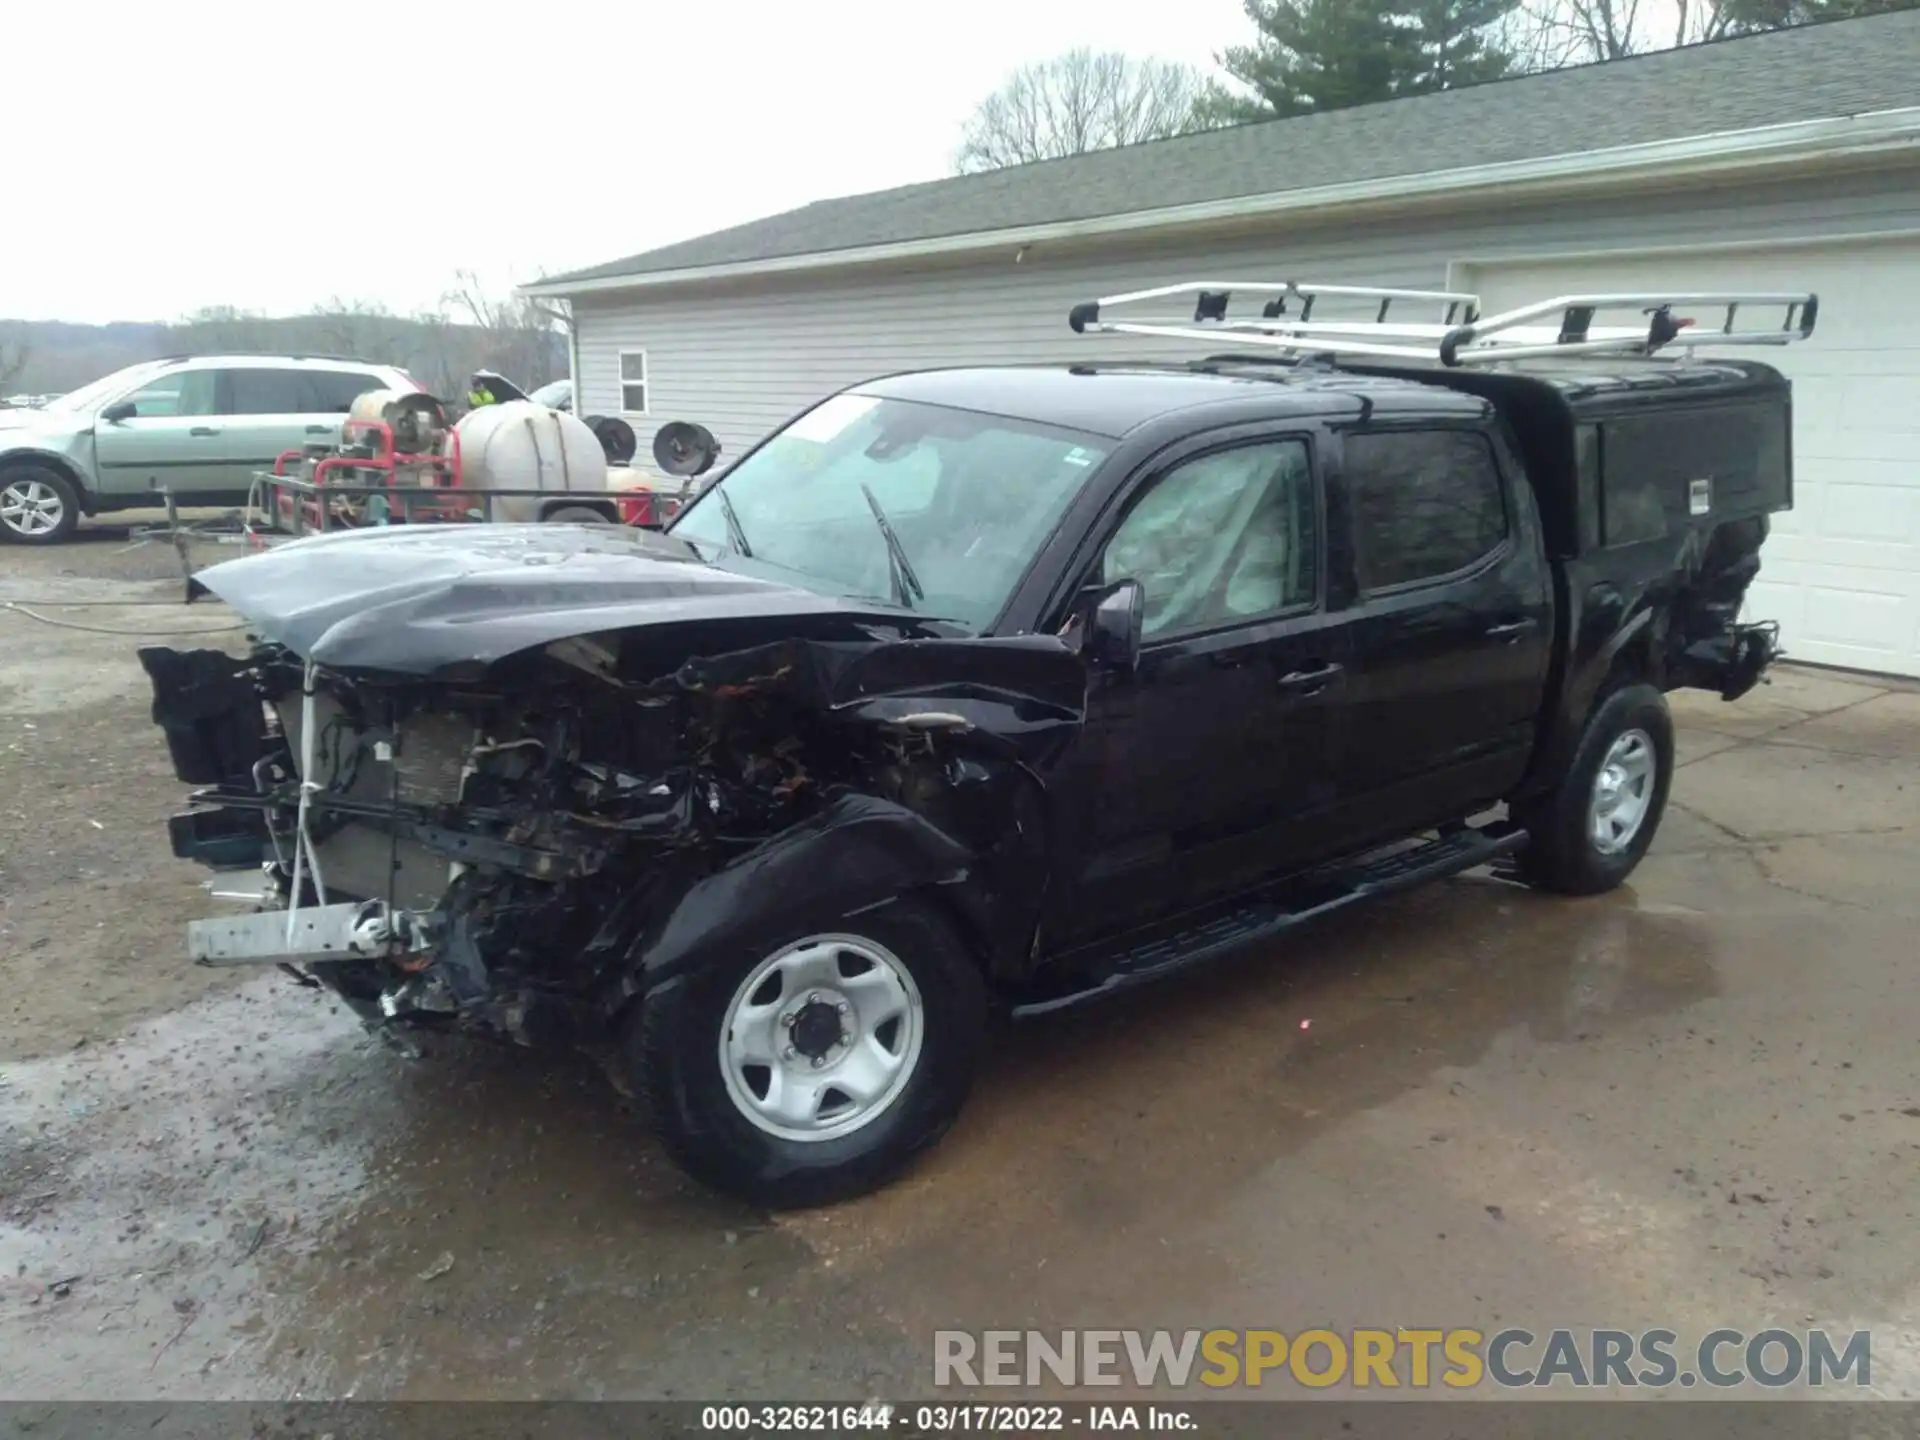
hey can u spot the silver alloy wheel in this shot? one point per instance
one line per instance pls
(31, 507)
(1622, 792)
(822, 1037)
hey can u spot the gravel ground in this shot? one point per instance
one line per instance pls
(1692, 1102)
(91, 902)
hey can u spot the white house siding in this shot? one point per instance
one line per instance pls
(743, 356)
(743, 359)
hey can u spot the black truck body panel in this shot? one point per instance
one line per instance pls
(1640, 578)
(648, 759)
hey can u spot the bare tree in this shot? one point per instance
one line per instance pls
(1080, 101)
(516, 332)
(221, 329)
(361, 329)
(1550, 34)
(511, 312)
(1553, 33)
(1547, 34)
(470, 329)
(351, 327)
(15, 350)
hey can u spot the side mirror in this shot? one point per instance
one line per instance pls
(118, 411)
(1113, 625)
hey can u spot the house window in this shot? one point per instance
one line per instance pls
(633, 381)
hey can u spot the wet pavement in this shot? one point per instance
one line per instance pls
(1692, 1102)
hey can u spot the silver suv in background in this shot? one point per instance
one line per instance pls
(197, 426)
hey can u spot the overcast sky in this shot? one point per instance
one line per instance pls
(163, 158)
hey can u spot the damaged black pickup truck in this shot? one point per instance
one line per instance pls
(983, 688)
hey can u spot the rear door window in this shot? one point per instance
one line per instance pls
(332, 392)
(259, 391)
(1425, 504)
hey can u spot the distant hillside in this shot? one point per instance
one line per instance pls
(49, 356)
(44, 357)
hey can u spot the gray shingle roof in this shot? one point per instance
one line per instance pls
(1839, 68)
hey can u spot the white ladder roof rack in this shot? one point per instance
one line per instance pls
(1562, 326)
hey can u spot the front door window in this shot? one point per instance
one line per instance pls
(1223, 539)
(184, 392)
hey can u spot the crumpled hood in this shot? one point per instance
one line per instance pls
(423, 599)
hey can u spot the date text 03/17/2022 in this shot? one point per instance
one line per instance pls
(940, 1419)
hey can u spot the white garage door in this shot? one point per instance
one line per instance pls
(1841, 572)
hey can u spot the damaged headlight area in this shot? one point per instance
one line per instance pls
(496, 851)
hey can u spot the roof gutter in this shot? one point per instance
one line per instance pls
(1735, 150)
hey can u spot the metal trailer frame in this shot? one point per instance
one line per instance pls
(296, 507)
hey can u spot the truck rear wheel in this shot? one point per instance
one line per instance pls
(1592, 830)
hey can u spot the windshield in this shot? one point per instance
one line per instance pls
(93, 396)
(936, 510)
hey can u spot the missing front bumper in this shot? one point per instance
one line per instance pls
(356, 930)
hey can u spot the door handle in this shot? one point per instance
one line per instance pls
(203, 430)
(319, 429)
(1312, 680)
(1511, 630)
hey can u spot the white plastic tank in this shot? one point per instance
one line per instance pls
(519, 445)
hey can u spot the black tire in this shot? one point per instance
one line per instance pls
(1562, 854)
(672, 1052)
(38, 488)
(576, 515)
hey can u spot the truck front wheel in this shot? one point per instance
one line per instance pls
(815, 1067)
(1589, 833)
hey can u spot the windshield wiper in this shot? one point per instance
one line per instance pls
(734, 532)
(905, 582)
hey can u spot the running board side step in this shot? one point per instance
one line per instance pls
(1305, 897)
